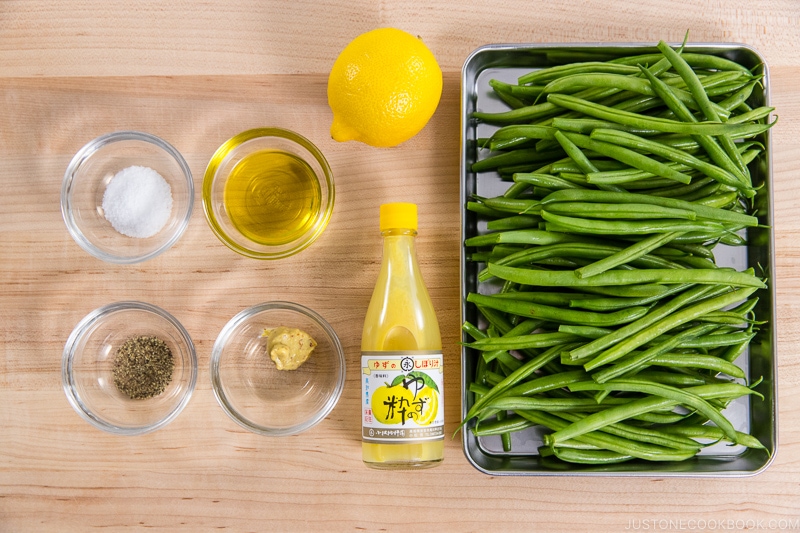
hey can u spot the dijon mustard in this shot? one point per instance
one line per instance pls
(289, 347)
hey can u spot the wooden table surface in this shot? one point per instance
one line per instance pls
(195, 73)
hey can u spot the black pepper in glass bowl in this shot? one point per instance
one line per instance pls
(129, 368)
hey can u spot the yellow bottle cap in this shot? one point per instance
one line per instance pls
(399, 215)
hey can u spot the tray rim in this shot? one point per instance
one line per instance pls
(768, 180)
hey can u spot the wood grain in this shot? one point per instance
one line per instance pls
(195, 74)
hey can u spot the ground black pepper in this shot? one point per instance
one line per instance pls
(143, 367)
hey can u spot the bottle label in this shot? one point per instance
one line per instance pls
(402, 396)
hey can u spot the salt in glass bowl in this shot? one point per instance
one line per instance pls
(225, 161)
(85, 182)
(88, 360)
(258, 396)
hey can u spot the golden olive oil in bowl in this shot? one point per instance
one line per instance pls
(272, 197)
(268, 193)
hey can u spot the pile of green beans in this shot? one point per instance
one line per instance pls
(603, 314)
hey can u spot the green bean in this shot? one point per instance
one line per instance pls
(734, 351)
(531, 237)
(527, 131)
(633, 177)
(544, 312)
(667, 323)
(515, 377)
(482, 209)
(663, 310)
(519, 342)
(590, 457)
(513, 205)
(626, 255)
(696, 60)
(645, 122)
(500, 427)
(660, 418)
(674, 379)
(569, 166)
(617, 81)
(520, 403)
(557, 299)
(591, 332)
(516, 157)
(630, 227)
(586, 125)
(579, 158)
(642, 359)
(573, 250)
(497, 253)
(678, 190)
(512, 101)
(506, 144)
(631, 141)
(698, 431)
(687, 397)
(714, 151)
(715, 341)
(496, 319)
(545, 180)
(706, 362)
(751, 116)
(699, 93)
(651, 436)
(705, 212)
(523, 328)
(538, 111)
(520, 91)
(630, 157)
(545, 383)
(477, 334)
(505, 438)
(610, 442)
(568, 279)
(739, 97)
(619, 211)
(547, 74)
(517, 189)
(613, 304)
(493, 378)
(522, 114)
(688, 142)
(513, 223)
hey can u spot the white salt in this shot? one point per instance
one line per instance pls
(137, 202)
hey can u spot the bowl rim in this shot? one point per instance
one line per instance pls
(85, 153)
(267, 132)
(67, 359)
(216, 382)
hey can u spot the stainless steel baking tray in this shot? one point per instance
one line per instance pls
(506, 62)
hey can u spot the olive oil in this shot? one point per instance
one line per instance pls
(272, 197)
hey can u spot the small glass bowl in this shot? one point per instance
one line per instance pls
(226, 159)
(88, 360)
(85, 182)
(258, 396)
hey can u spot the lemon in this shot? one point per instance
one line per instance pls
(383, 88)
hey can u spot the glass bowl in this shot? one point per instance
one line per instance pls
(258, 396)
(85, 182)
(268, 193)
(87, 369)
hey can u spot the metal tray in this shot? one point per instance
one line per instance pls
(506, 62)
